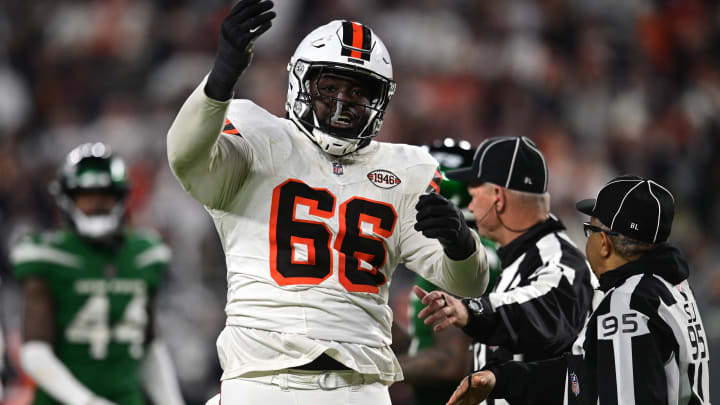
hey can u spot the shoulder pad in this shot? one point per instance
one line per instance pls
(155, 254)
(412, 153)
(36, 249)
(148, 235)
(150, 247)
(244, 113)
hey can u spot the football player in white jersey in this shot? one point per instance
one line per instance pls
(314, 216)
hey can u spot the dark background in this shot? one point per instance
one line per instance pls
(603, 86)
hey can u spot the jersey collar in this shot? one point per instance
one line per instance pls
(666, 261)
(510, 252)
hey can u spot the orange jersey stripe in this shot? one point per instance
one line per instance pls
(435, 182)
(229, 128)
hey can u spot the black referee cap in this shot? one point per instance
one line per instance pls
(638, 208)
(513, 162)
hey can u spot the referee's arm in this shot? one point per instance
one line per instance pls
(628, 355)
(629, 370)
(544, 315)
(531, 382)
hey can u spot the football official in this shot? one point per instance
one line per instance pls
(645, 343)
(543, 296)
(434, 361)
(314, 215)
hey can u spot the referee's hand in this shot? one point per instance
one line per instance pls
(441, 309)
(473, 389)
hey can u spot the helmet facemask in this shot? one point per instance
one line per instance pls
(345, 48)
(340, 123)
(98, 225)
(346, 116)
(91, 169)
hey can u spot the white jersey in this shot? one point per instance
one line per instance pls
(310, 239)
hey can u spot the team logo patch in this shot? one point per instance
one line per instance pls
(383, 178)
(337, 168)
(574, 384)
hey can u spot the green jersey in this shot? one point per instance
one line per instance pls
(422, 335)
(101, 298)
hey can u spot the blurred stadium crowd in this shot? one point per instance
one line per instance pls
(603, 86)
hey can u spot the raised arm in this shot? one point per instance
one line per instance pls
(211, 166)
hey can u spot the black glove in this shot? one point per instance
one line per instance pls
(247, 20)
(440, 219)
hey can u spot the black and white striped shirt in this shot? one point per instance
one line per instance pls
(644, 344)
(540, 301)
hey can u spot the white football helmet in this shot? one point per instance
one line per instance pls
(347, 48)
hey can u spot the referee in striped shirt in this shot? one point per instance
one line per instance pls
(543, 295)
(645, 343)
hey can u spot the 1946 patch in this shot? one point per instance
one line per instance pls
(383, 178)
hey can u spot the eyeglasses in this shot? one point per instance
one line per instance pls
(589, 228)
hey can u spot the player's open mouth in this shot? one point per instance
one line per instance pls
(344, 120)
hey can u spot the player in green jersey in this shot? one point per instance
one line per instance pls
(87, 321)
(436, 361)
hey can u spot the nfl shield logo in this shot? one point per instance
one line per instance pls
(337, 168)
(574, 384)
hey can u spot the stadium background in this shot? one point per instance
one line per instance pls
(603, 86)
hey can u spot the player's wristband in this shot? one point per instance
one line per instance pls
(229, 64)
(39, 362)
(221, 81)
(462, 248)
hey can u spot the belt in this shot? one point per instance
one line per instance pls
(322, 362)
(310, 380)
